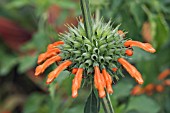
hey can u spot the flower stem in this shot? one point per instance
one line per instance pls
(107, 105)
(87, 18)
(97, 14)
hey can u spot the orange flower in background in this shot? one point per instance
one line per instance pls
(99, 59)
(137, 90)
(164, 74)
(166, 82)
(153, 87)
(149, 89)
(159, 88)
(146, 32)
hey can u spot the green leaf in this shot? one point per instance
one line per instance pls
(33, 103)
(52, 87)
(162, 31)
(142, 104)
(41, 40)
(91, 104)
(122, 89)
(26, 63)
(140, 55)
(137, 12)
(7, 64)
(159, 29)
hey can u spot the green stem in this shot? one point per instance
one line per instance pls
(97, 14)
(87, 18)
(107, 105)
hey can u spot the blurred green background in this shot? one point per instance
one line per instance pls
(28, 26)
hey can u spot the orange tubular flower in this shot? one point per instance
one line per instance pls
(159, 88)
(137, 90)
(146, 46)
(108, 80)
(98, 82)
(149, 89)
(164, 74)
(120, 32)
(54, 74)
(48, 54)
(114, 69)
(74, 71)
(129, 52)
(55, 44)
(131, 70)
(76, 83)
(41, 68)
(167, 82)
(106, 52)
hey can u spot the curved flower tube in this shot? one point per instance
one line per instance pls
(131, 70)
(74, 70)
(57, 71)
(55, 44)
(108, 80)
(41, 68)
(129, 52)
(76, 83)
(146, 46)
(99, 82)
(42, 57)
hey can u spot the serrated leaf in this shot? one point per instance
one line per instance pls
(91, 104)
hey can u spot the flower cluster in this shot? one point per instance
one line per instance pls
(153, 87)
(99, 58)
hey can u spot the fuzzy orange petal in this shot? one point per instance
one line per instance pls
(51, 46)
(74, 70)
(131, 70)
(76, 83)
(74, 88)
(145, 46)
(108, 80)
(57, 71)
(41, 68)
(114, 69)
(129, 52)
(99, 82)
(47, 54)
